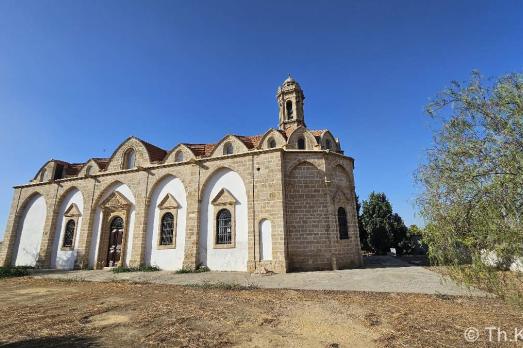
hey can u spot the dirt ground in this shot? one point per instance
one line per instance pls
(53, 313)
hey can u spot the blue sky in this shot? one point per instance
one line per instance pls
(78, 77)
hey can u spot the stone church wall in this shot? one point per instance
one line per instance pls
(284, 188)
(312, 185)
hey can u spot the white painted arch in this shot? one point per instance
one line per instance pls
(168, 259)
(98, 220)
(62, 259)
(228, 259)
(30, 232)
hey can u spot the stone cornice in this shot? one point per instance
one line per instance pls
(195, 161)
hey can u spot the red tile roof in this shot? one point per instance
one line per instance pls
(73, 169)
(158, 154)
(250, 141)
(102, 162)
(201, 150)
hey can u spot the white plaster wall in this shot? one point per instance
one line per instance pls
(65, 259)
(30, 232)
(97, 224)
(265, 240)
(233, 259)
(168, 259)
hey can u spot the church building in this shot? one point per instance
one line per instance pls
(281, 201)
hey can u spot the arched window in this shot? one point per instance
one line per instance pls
(288, 107)
(167, 229)
(342, 223)
(179, 156)
(223, 227)
(70, 228)
(117, 223)
(228, 149)
(88, 170)
(301, 143)
(271, 143)
(129, 159)
(328, 144)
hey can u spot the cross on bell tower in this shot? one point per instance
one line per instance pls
(290, 103)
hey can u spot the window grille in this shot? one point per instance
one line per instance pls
(223, 227)
(117, 223)
(69, 234)
(167, 230)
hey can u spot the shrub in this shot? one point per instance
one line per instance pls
(223, 286)
(141, 268)
(7, 272)
(199, 269)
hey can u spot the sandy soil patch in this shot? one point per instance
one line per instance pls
(51, 313)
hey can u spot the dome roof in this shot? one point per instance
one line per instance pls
(289, 80)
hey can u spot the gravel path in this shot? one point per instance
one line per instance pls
(382, 274)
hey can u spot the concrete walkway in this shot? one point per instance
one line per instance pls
(382, 274)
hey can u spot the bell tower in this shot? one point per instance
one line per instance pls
(290, 103)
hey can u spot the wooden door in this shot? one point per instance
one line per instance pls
(115, 242)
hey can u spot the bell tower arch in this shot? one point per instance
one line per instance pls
(290, 99)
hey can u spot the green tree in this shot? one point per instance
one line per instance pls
(472, 179)
(384, 228)
(362, 232)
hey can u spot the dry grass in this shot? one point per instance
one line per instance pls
(49, 313)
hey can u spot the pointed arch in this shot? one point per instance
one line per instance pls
(51, 170)
(115, 199)
(302, 133)
(146, 154)
(168, 196)
(238, 146)
(188, 154)
(70, 206)
(340, 196)
(91, 167)
(328, 139)
(278, 138)
(223, 244)
(298, 162)
(29, 230)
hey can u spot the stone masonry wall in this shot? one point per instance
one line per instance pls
(293, 195)
(260, 171)
(316, 184)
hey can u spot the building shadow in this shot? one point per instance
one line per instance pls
(57, 341)
(386, 261)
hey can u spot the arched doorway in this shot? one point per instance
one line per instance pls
(114, 251)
